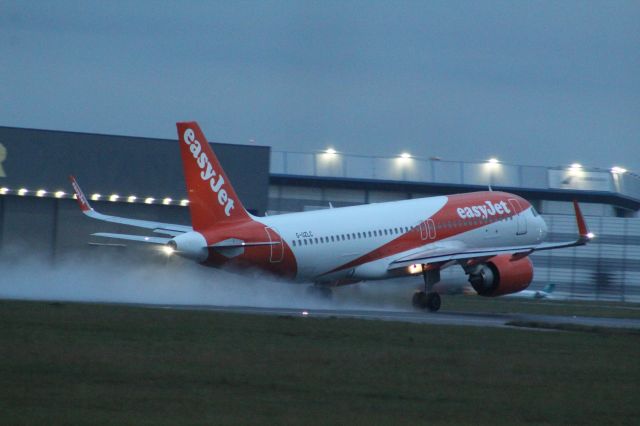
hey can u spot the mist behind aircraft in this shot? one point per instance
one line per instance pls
(108, 278)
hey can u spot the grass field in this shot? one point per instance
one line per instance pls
(96, 364)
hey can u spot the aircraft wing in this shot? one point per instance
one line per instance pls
(458, 253)
(159, 227)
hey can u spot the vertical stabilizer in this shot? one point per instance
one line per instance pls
(212, 199)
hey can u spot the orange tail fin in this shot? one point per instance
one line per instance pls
(212, 199)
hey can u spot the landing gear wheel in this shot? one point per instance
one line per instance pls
(433, 302)
(419, 299)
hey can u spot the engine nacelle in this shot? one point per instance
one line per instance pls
(191, 245)
(501, 275)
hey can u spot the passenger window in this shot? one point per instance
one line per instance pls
(316, 240)
(369, 234)
(294, 243)
(305, 242)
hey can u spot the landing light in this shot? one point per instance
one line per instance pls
(114, 197)
(576, 166)
(22, 191)
(96, 197)
(405, 155)
(132, 198)
(4, 190)
(166, 201)
(59, 194)
(591, 235)
(330, 151)
(41, 193)
(493, 161)
(184, 202)
(618, 170)
(415, 269)
(168, 250)
(148, 200)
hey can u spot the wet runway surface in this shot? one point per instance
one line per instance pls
(443, 317)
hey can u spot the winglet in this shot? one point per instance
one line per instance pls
(582, 226)
(82, 200)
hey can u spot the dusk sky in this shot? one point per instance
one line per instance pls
(541, 83)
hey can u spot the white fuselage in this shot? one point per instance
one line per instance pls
(325, 240)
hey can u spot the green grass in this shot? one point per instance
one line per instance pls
(400, 298)
(81, 363)
(541, 307)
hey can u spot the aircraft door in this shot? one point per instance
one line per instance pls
(427, 230)
(521, 221)
(277, 250)
(424, 232)
(431, 226)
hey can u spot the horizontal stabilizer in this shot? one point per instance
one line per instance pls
(139, 238)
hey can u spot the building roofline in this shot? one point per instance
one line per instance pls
(147, 138)
(611, 198)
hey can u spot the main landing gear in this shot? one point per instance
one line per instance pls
(428, 299)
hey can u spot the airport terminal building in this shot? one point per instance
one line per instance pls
(142, 178)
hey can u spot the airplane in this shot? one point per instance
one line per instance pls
(545, 293)
(488, 233)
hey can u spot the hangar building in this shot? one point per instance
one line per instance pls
(142, 178)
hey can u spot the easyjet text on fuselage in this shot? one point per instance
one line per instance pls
(483, 210)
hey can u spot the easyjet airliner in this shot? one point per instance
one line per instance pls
(489, 234)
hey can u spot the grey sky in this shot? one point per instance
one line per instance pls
(529, 82)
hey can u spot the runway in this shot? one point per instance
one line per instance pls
(418, 317)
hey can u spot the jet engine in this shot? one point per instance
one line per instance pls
(501, 275)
